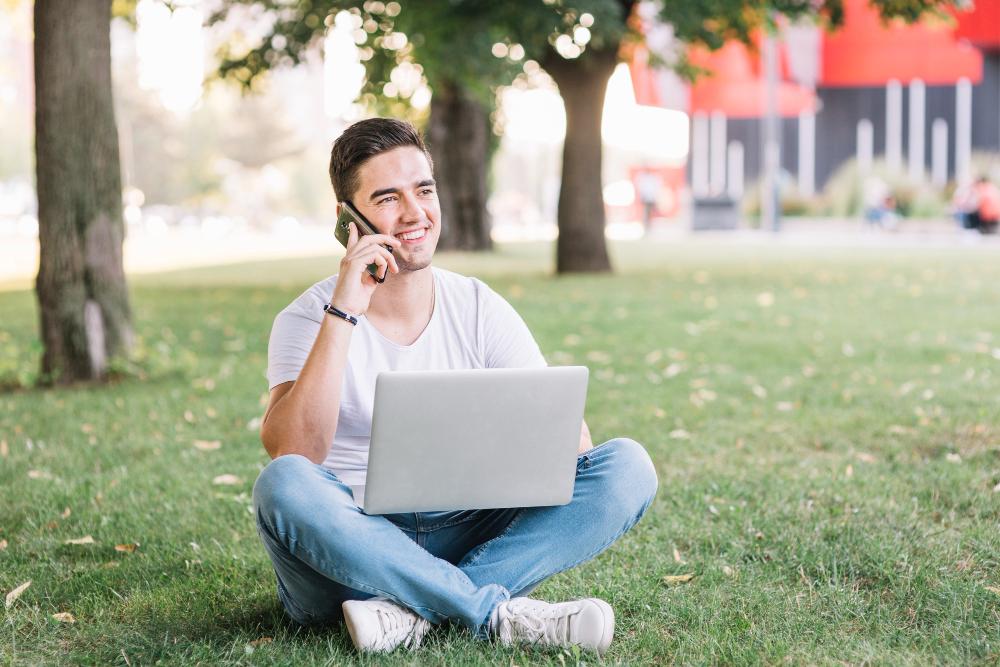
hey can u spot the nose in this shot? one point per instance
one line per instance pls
(411, 211)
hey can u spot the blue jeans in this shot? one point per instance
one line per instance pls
(454, 566)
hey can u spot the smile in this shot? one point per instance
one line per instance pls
(415, 235)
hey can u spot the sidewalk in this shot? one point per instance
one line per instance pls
(182, 248)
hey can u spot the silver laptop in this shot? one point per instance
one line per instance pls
(474, 439)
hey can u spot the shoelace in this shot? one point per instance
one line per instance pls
(530, 624)
(396, 626)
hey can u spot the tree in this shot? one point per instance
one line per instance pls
(82, 297)
(402, 48)
(578, 42)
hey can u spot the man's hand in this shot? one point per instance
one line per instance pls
(355, 286)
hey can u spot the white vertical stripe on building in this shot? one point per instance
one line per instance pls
(894, 125)
(717, 160)
(699, 155)
(963, 131)
(807, 153)
(865, 148)
(915, 144)
(734, 167)
(939, 152)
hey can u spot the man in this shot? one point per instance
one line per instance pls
(391, 577)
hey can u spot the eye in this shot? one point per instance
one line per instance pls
(386, 200)
(427, 191)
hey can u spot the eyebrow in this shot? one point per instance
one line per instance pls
(387, 191)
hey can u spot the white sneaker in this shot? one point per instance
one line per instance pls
(588, 623)
(379, 625)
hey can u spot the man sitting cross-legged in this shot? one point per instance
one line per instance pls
(391, 577)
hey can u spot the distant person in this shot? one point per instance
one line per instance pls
(988, 206)
(880, 205)
(391, 577)
(965, 205)
(649, 191)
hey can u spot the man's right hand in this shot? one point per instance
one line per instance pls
(355, 286)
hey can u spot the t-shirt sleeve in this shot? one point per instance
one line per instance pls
(504, 338)
(292, 337)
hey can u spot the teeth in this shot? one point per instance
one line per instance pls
(413, 235)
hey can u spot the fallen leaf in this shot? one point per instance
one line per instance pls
(86, 539)
(260, 642)
(227, 480)
(765, 299)
(785, 406)
(993, 589)
(65, 513)
(677, 556)
(728, 571)
(189, 416)
(673, 370)
(15, 594)
(952, 457)
(996, 489)
(39, 474)
(849, 471)
(865, 457)
(4, 449)
(64, 617)
(127, 548)
(674, 579)
(679, 434)
(3, 544)
(207, 445)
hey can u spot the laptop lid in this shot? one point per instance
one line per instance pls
(474, 439)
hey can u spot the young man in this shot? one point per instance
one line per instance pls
(391, 577)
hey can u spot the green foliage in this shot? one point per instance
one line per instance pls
(844, 193)
(827, 458)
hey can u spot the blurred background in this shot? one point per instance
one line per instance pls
(880, 125)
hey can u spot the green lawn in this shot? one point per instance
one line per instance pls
(825, 424)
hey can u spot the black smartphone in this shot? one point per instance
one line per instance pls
(349, 214)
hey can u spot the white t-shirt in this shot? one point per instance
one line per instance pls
(471, 327)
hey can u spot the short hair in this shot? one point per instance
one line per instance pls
(364, 140)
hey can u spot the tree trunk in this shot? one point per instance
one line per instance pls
(459, 137)
(582, 83)
(82, 297)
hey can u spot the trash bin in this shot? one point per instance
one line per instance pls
(715, 213)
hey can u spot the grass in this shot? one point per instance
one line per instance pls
(825, 424)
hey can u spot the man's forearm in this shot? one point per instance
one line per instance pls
(304, 420)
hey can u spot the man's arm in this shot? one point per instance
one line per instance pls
(301, 416)
(585, 441)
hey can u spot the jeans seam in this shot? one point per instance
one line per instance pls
(597, 551)
(340, 577)
(482, 547)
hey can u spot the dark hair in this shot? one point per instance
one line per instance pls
(363, 141)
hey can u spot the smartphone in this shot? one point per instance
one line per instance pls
(349, 214)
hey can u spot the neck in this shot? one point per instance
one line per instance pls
(404, 297)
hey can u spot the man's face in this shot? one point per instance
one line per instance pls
(398, 195)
